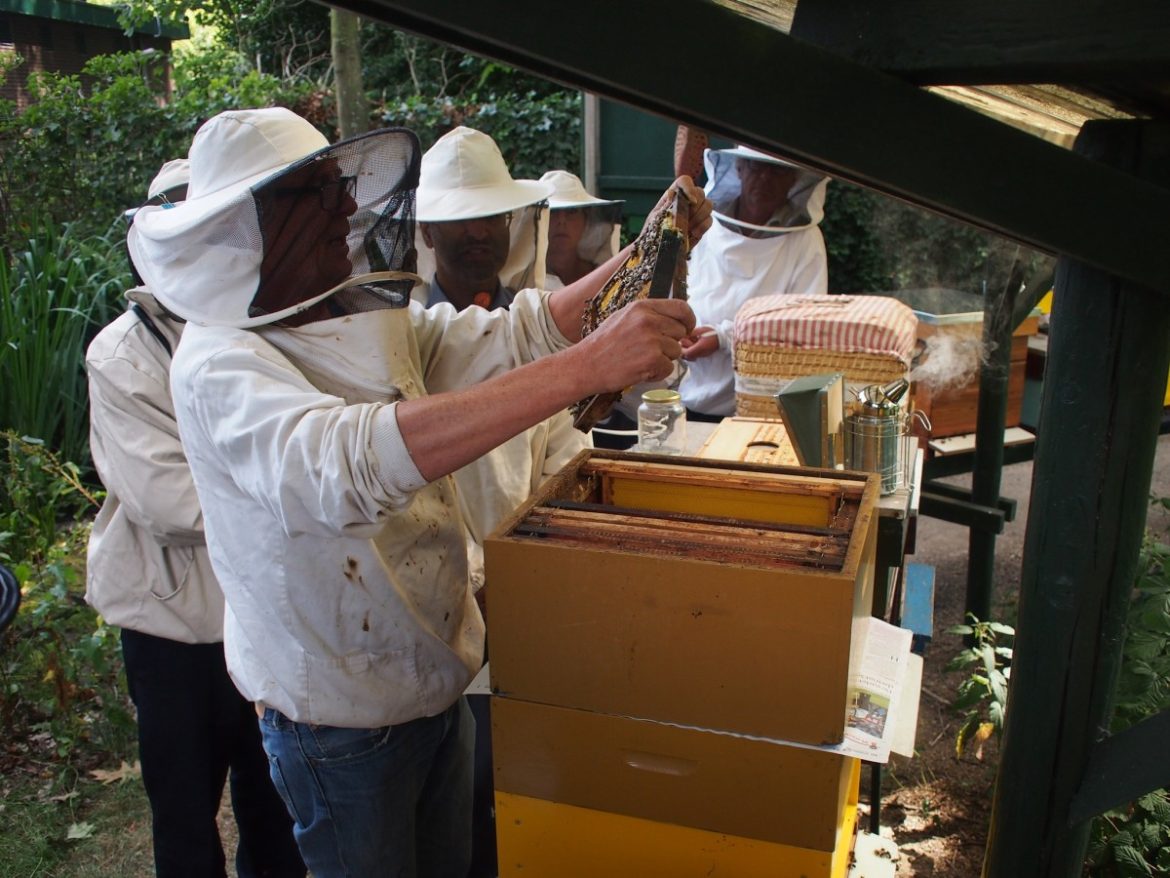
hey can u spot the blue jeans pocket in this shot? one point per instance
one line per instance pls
(329, 744)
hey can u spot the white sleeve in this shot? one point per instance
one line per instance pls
(317, 464)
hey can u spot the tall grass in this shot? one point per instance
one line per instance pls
(55, 294)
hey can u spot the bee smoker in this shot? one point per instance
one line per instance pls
(875, 431)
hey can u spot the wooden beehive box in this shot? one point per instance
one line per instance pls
(672, 774)
(712, 594)
(952, 405)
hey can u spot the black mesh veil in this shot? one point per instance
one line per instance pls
(367, 182)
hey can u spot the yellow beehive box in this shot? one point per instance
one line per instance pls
(712, 594)
(671, 774)
(541, 838)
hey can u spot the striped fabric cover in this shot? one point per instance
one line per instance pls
(850, 324)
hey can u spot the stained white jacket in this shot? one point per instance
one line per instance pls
(346, 575)
(148, 568)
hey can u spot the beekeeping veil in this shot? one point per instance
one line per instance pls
(601, 239)
(806, 195)
(253, 174)
(463, 177)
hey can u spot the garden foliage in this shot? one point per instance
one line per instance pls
(983, 693)
(55, 294)
(1134, 840)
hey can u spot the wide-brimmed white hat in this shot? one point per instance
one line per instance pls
(171, 176)
(201, 258)
(464, 176)
(739, 151)
(569, 191)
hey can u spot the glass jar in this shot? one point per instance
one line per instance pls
(662, 422)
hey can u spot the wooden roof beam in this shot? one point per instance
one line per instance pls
(702, 64)
(956, 42)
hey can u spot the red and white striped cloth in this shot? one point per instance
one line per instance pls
(850, 324)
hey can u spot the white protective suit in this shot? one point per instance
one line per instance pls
(148, 568)
(492, 486)
(727, 268)
(323, 532)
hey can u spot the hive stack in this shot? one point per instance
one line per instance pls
(868, 339)
(647, 614)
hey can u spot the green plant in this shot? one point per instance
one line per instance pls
(88, 144)
(1134, 840)
(38, 491)
(61, 692)
(535, 133)
(983, 694)
(54, 296)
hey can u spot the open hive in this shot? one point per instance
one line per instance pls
(714, 594)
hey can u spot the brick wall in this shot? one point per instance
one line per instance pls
(60, 46)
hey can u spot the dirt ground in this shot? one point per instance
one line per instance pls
(937, 807)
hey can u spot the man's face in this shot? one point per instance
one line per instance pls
(469, 253)
(305, 229)
(764, 183)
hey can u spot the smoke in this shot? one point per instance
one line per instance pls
(950, 361)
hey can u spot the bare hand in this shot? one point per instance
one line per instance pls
(700, 207)
(701, 343)
(637, 344)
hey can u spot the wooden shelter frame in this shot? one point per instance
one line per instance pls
(844, 92)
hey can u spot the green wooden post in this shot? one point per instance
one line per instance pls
(991, 419)
(1109, 350)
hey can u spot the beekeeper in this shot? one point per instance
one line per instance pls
(148, 572)
(481, 234)
(766, 240)
(467, 203)
(583, 231)
(302, 389)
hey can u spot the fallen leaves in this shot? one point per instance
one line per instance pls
(121, 774)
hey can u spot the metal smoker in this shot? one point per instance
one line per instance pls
(875, 431)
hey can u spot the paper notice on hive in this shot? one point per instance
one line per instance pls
(906, 718)
(878, 666)
(481, 684)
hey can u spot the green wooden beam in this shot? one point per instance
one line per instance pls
(976, 516)
(957, 464)
(956, 42)
(1108, 354)
(955, 492)
(92, 15)
(1124, 767)
(702, 64)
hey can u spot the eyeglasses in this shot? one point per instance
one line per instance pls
(332, 192)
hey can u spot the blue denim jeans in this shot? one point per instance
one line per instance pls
(367, 803)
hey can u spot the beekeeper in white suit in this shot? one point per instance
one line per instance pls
(583, 231)
(766, 241)
(482, 229)
(302, 388)
(481, 234)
